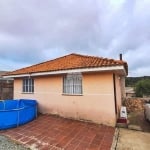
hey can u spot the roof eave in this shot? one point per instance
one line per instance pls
(120, 69)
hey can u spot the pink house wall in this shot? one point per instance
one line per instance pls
(96, 104)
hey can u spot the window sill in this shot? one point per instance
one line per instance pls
(67, 94)
(27, 93)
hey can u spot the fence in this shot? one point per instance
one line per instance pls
(6, 89)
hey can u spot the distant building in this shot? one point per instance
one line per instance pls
(130, 92)
(6, 87)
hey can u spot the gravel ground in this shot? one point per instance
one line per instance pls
(7, 144)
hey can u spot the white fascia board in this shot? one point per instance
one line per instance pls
(16, 76)
(98, 69)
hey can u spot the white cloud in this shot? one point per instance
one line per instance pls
(32, 31)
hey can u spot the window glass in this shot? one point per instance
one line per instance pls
(72, 83)
(28, 85)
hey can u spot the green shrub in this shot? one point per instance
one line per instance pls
(142, 88)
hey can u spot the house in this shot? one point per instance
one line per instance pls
(75, 86)
(6, 87)
(130, 92)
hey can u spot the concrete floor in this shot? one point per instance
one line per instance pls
(132, 140)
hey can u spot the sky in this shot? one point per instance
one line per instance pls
(33, 31)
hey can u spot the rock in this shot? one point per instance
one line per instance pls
(7, 144)
(122, 125)
(134, 127)
(134, 104)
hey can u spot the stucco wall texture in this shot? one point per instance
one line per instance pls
(96, 104)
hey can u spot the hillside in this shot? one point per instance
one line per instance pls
(131, 81)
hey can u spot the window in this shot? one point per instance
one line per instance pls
(28, 85)
(72, 84)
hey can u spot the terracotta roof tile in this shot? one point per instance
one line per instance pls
(72, 61)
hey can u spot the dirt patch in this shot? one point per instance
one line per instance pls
(138, 119)
(135, 109)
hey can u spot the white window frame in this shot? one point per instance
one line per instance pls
(28, 85)
(72, 84)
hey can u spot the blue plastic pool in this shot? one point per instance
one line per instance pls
(17, 112)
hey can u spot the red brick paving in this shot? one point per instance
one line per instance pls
(49, 132)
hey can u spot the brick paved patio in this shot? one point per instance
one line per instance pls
(49, 132)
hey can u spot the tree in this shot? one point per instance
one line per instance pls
(142, 88)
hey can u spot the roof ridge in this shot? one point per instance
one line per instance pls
(84, 55)
(103, 58)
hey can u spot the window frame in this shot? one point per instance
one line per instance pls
(72, 84)
(28, 85)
